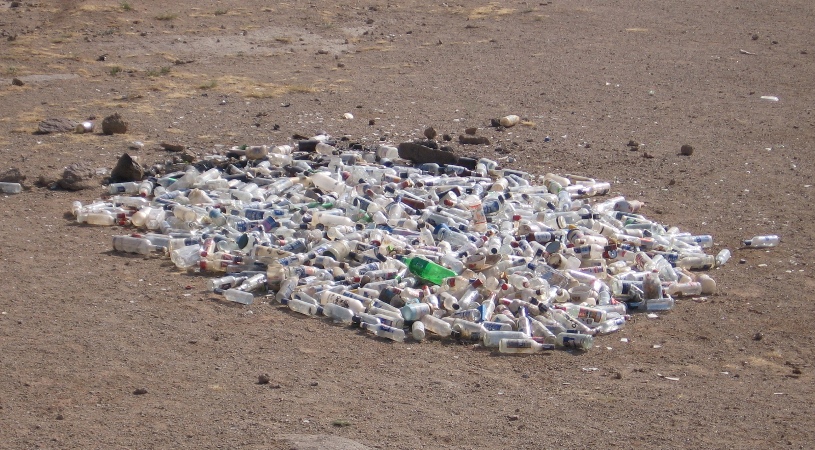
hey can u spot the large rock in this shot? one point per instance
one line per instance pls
(56, 125)
(11, 175)
(78, 176)
(127, 169)
(114, 124)
(421, 154)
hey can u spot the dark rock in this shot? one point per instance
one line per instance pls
(495, 123)
(140, 391)
(264, 378)
(114, 124)
(78, 176)
(471, 131)
(172, 147)
(421, 154)
(686, 150)
(371, 122)
(16, 4)
(56, 125)
(17, 82)
(127, 169)
(428, 144)
(11, 175)
(473, 140)
(430, 133)
(447, 138)
(467, 162)
(308, 145)
(633, 143)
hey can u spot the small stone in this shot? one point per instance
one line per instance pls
(172, 147)
(633, 143)
(16, 4)
(127, 169)
(495, 123)
(315, 383)
(471, 131)
(60, 417)
(430, 133)
(473, 140)
(758, 336)
(513, 417)
(140, 391)
(371, 122)
(686, 150)
(264, 378)
(17, 82)
(754, 37)
(56, 125)
(11, 175)
(114, 124)
(447, 138)
(742, 261)
(187, 156)
(617, 376)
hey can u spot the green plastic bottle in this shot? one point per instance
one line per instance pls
(427, 270)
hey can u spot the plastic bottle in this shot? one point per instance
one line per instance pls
(129, 244)
(436, 326)
(385, 331)
(10, 188)
(491, 339)
(524, 345)
(427, 270)
(576, 341)
(722, 257)
(473, 204)
(764, 241)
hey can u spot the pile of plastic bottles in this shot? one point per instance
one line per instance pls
(483, 255)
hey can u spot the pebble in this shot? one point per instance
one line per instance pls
(430, 133)
(686, 150)
(264, 378)
(140, 391)
(17, 82)
(473, 140)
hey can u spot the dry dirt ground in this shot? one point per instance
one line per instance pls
(82, 328)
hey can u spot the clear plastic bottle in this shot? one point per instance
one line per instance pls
(10, 188)
(574, 340)
(524, 345)
(299, 306)
(764, 241)
(436, 326)
(338, 313)
(491, 339)
(722, 257)
(418, 331)
(130, 244)
(186, 257)
(385, 331)
(131, 187)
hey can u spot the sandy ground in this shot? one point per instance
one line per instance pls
(82, 327)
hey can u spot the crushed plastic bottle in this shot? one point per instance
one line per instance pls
(446, 248)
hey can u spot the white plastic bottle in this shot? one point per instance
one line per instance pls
(764, 241)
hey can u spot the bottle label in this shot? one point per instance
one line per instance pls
(572, 342)
(589, 316)
(517, 343)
